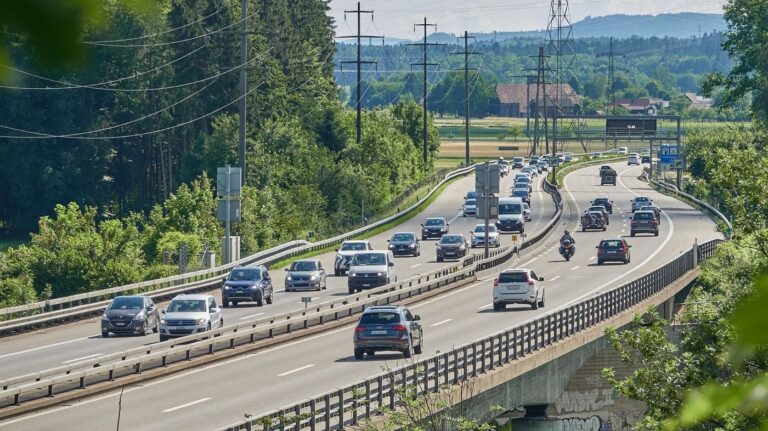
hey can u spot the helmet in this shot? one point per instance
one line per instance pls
(567, 233)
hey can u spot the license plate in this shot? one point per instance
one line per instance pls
(366, 285)
(379, 332)
(611, 252)
(119, 323)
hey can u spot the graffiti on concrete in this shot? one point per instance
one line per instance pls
(587, 401)
(580, 424)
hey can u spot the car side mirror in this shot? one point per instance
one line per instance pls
(214, 309)
(447, 224)
(597, 246)
(422, 225)
(391, 263)
(416, 317)
(629, 246)
(389, 240)
(541, 278)
(162, 311)
(337, 250)
(286, 269)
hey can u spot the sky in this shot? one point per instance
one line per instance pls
(395, 18)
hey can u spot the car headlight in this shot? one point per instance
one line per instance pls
(227, 287)
(313, 278)
(201, 320)
(391, 246)
(412, 246)
(255, 286)
(104, 317)
(353, 274)
(139, 316)
(162, 321)
(379, 274)
(462, 248)
(288, 278)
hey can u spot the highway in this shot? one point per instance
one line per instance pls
(221, 393)
(65, 344)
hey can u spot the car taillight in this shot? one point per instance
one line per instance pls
(634, 221)
(400, 328)
(361, 329)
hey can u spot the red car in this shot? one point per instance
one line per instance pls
(613, 250)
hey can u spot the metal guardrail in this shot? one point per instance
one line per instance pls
(86, 304)
(79, 375)
(673, 189)
(349, 405)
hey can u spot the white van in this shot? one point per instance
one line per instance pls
(511, 216)
(371, 269)
(622, 150)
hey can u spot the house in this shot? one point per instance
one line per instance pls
(642, 105)
(698, 102)
(513, 100)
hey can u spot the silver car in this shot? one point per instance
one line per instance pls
(189, 314)
(305, 274)
(478, 236)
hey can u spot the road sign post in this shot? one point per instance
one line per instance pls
(228, 186)
(487, 178)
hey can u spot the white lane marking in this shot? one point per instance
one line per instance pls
(288, 373)
(575, 268)
(555, 278)
(81, 358)
(485, 306)
(173, 409)
(441, 322)
(592, 258)
(530, 261)
(252, 315)
(21, 352)
(461, 213)
(415, 266)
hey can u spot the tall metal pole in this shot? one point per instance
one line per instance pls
(679, 171)
(466, 97)
(424, 101)
(228, 222)
(487, 193)
(359, 98)
(243, 86)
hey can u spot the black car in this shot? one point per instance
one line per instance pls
(130, 315)
(607, 203)
(613, 250)
(404, 243)
(525, 195)
(645, 159)
(247, 283)
(434, 227)
(451, 247)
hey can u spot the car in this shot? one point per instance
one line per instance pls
(189, 314)
(472, 195)
(521, 186)
(533, 160)
(545, 157)
(622, 150)
(633, 160)
(518, 162)
(434, 227)
(452, 246)
(530, 170)
(525, 195)
(645, 152)
(597, 154)
(567, 157)
(478, 236)
(511, 216)
(370, 269)
(644, 221)
(527, 211)
(607, 176)
(601, 209)
(305, 274)
(345, 252)
(605, 168)
(524, 180)
(594, 220)
(247, 283)
(640, 202)
(134, 314)
(470, 207)
(388, 328)
(542, 166)
(616, 250)
(656, 210)
(524, 174)
(607, 203)
(518, 286)
(645, 159)
(503, 167)
(405, 243)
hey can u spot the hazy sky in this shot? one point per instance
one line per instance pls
(395, 18)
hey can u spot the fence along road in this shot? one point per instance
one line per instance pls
(277, 376)
(63, 345)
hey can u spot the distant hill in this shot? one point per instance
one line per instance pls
(679, 25)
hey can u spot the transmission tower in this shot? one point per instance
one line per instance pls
(560, 51)
(466, 53)
(611, 78)
(359, 62)
(426, 65)
(539, 108)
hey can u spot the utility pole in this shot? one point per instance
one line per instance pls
(611, 78)
(466, 69)
(243, 82)
(359, 62)
(426, 65)
(541, 92)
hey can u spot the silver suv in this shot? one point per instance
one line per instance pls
(345, 252)
(371, 269)
(388, 328)
(518, 286)
(189, 314)
(305, 274)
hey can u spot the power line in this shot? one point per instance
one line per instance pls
(426, 65)
(93, 42)
(466, 54)
(611, 54)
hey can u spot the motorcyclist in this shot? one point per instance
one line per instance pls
(567, 236)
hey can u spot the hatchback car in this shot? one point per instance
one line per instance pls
(525, 195)
(434, 227)
(527, 212)
(305, 274)
(452, 246)
(518, 286)
(601, 209)
(616, 250)
(640, 202)
(388, 328)
(607, 203)
(130, 315)
(644, 221)
(247, 284)
(524, 180)
(470, 207)
(478, 236)
(189, 314)
(404, 243)
(518, 162)
(633, 159)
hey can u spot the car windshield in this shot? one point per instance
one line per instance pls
(353, 246)
(470, 202)
(471, 195)
(521, 185)
(244, 275)
(510, 208)
(481, 229)
(513, 277)
(644, 216)
(518, 159)
(304, 265)
(641, 199)
(451, 239)
(435, 222)
(403, 237)
(186, 305)
(596, 208)
(647, 208)
(520, 193)
(126, 304)
(366, 259)
(526, 206)
(601, 201)
(523, 179)
(380, 318)
(610, 244)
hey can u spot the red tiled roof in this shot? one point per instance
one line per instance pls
(516, 93)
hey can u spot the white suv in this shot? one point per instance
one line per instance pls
(478, 236)
(346, 252)
(189, 314)
(518, 286)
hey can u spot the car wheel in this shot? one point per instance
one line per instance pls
(359, 354)
(439, 259)
(221, 323)
(626, 261)
(258, 302)
(319, 288)
(407, 352)
(656, 233)
(423, 238)
(269, 299)
(541, 303)
(599, 262)
(604, 228)
(234, 303)
(156, 329)
(336, 272)
(225, 303)
(105, 334)
(583, 228)
(632, 234)
(535, 305)
(498, 306)
(420, 348)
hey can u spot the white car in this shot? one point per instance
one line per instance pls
(527, 211)
(470, 206)
(478, 236)
(371, 269)
(518, 286)
(568, 157)
(346, 252)
(189, 314)
(622, 150)
(633, 159)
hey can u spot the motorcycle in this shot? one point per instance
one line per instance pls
(567, 249)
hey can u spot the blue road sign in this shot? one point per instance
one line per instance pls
(668, 154)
